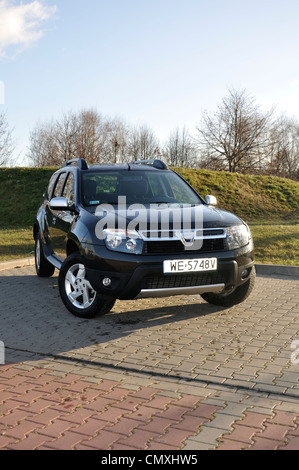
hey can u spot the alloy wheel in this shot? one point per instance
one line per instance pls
(78, 289)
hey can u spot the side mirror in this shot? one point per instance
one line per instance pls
(59, 204)
(211, 200)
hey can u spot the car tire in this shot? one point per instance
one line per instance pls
(77, 293)
(42, 266)
(238, 296)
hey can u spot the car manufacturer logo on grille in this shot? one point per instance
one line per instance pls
(188, 238)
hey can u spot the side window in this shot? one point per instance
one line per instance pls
(51, 185)
(69, 189)
(59, 185)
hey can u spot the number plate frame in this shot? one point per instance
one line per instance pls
(190, 265)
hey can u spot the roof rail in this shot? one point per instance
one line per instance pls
(155, 163)
(80, 162)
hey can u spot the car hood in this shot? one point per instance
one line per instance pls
(195, 216)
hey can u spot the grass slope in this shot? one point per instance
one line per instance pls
(254, 198)
(270, 205)
(21, 190)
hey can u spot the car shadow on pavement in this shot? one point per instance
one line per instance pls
(33, 320)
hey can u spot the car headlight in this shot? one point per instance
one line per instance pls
(125, 241)
(237, 236)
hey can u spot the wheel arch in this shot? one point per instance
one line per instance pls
(35, 230)
(71, 247)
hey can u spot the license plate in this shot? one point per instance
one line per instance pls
(190, 265)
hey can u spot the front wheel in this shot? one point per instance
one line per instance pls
(240, 294)
(77, 293)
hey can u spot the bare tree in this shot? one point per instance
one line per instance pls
(43, 150)
(143, 144)
(284, 159)
(67, 130)
(74, 135)
(53, 142)
(209, 161)
(237, 134)
(180, 149)
(7, 144)
(91, 136)
(117, 141)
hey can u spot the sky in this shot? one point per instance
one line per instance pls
(154, 62)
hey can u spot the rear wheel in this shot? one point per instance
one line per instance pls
(77, 293)
(42, 266)
(240, 294)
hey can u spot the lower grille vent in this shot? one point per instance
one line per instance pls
(182, 280)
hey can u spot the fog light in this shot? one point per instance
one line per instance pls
(107, 282)
(245, 273)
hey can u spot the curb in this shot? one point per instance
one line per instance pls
(16, 263)
(272, 269)
(261, 269)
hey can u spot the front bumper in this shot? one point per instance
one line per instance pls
(142, 276)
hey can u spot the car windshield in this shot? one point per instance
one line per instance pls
(143, 187)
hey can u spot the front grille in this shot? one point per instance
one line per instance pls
(163, 247)
(176, 246)
(182, 280)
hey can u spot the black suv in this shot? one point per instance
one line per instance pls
(134, 231)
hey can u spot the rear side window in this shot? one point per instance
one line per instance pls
(51, 185)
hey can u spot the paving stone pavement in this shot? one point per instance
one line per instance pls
(156, 375)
